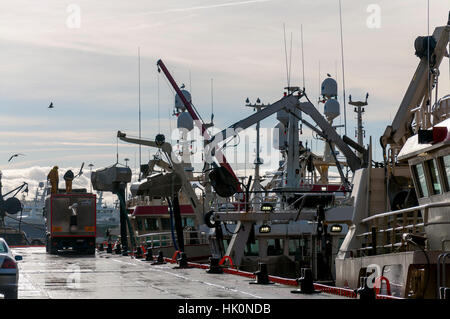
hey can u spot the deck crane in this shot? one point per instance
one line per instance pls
(177, 168)
(416, 104)
(416, 112)
(198, 122)
(291, 104)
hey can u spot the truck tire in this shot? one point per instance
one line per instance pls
(52, 250)
(11, 294)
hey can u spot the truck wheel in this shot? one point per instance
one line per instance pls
(47, 244)
(11, 294)
(53, 250)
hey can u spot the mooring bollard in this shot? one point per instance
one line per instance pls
(214, 267)
(138, 252)
(306, 282)
(149, 255)
(182, 260)
(262, 275)
(364, 292)
(160, 259)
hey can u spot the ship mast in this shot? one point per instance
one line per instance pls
(359, 110)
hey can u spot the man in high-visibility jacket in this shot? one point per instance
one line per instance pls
(68, 178)
(54, 179)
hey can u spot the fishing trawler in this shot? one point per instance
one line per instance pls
(285, 224)
(399, 235)
(108, 220)
(31, 218)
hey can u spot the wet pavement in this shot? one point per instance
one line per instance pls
(113, 276)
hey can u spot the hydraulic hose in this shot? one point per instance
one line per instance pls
(172, 230)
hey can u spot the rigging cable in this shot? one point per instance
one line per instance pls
(290, 61)
(139, 80)
(159, 118)
(428, 59)
(303, 57)
(285, 53)
(343, 68)
(212, 100)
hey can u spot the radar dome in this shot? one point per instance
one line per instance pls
(184, 121)
(329, 88)
(331, 109)
(179, 103)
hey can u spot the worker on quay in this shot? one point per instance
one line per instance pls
(54, 179)
(68, 178)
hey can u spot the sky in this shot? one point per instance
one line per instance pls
(83, 57)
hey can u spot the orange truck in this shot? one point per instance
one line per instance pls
(70, 220)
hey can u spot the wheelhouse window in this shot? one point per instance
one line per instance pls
(139, 224)
(274, 247)
(151, 224)
(187, 221)
(252, 249)
(421, 180)
(445, 161)
(165, 223)
(434, 175)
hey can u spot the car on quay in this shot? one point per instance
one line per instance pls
(9, 271)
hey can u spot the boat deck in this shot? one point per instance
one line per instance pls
(113, 276)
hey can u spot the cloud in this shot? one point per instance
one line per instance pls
(219, 5)
(91, 73)
(12, 178)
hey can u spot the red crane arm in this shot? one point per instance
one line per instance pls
(196, 119)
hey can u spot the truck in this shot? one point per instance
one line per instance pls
(70, 220)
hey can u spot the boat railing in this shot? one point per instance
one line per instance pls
(164, 239)
(385, 230)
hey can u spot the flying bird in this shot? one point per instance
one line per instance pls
(329, 75)
(51, 105)
(15, 155)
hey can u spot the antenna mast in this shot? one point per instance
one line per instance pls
(139, 80)
(343, 72)
(303, 57)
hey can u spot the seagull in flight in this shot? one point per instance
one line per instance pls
(51, 105)
(15, 155)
